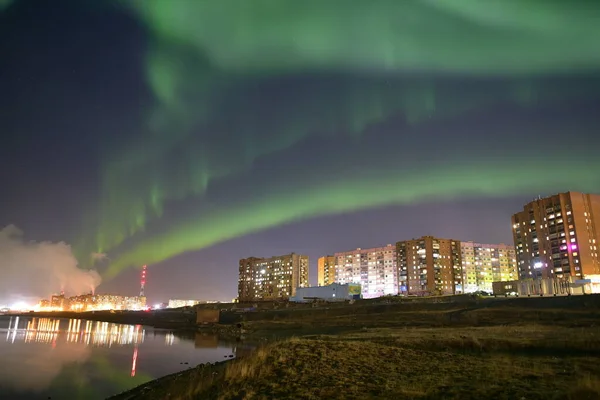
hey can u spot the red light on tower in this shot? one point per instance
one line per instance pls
(143, 281)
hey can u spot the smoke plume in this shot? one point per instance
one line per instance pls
(33, 270)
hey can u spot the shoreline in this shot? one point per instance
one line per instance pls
(452, 336)
(180, 322)
(454, 340)
(153, 384)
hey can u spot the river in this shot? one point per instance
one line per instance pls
(71, 359)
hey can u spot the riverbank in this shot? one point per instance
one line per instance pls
(176, 320)
(502, 349)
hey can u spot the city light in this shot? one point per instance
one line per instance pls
(134, 361)
(49, 330)
(175, 303)
(21, 306)
(90, 302)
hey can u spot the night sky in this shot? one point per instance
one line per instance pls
(189, 134)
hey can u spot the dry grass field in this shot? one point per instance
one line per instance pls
(494, 350)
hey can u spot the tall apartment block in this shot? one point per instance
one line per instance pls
(483, 264)
(272, 278)
(557, 237)
(326, 270)
(429, 266)
(374, 269)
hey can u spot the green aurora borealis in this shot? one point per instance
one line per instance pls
(236, 82)
(5, 3)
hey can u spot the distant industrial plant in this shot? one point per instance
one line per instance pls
(96, 302)
(92, 302)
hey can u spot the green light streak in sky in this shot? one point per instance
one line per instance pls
(165, 168)
(209, 62)
(500, 36)
(5, 4)
(342, 196)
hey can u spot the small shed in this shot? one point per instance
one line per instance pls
(207, 316)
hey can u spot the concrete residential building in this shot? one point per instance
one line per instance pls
(557, 237)
(326, 270)
(483, 264)
(429, 266)
(374, 269)
(272, 278)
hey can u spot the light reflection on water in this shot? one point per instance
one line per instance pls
(78, 359)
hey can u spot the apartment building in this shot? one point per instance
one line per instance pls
(325, 270)
(483, 264)
(557, 237)
(374, 269)
(429, 266)
(272, 278)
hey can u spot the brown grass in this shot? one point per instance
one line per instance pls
(395, 352)
(432, 363)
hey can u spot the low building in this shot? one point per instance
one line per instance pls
(174, 303)
(509, 288)
(116, 302)
(333, 292)
(547, 287)
(207, 316)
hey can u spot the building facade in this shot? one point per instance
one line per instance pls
(557, 237)
(483, 264)
(547, 287)
(92, 302)
(272, 278)
(330, 293)
(178, 303)
(326, 270)
(429, 266)
(58, 301)
(373, 269)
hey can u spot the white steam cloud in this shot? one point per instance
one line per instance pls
(34, 270)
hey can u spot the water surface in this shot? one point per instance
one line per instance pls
(74, 359)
